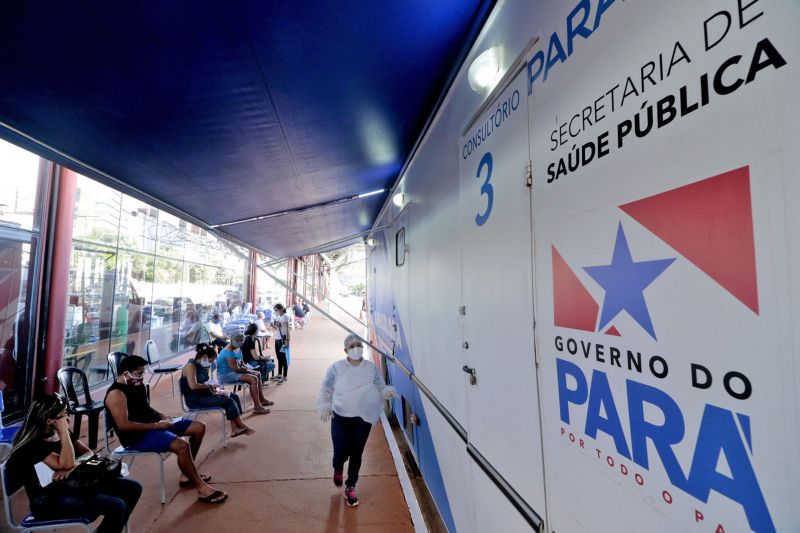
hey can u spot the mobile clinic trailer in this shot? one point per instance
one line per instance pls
(591, 272)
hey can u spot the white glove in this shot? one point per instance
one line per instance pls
(325, 416)
(389, 392)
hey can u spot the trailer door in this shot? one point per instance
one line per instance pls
(497, 292)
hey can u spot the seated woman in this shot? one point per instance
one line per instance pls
(200, 394)
(256, 361)
(45, 437)
(263, 331)
(231, 370)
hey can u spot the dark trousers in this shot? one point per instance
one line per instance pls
(231, 404)
(283, 365)
(114, 500)
(349, 436)
(219, 343)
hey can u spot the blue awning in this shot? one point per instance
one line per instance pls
(235, 110)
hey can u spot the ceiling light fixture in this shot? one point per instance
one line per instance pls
(371, 193)
(485, 72)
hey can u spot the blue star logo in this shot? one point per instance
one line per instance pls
(624, 281)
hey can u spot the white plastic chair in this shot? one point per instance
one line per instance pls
(155, 369)
(193, 413)
(120, 452)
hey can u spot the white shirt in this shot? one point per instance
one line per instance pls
(353, 390)
(215, 330)
(283, 326)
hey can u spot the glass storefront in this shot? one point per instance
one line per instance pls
(22, 175)
(135, 274)
(139, 274)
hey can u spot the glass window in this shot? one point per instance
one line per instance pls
(16, 274)
(133, 309)
(90, 302)
(172, 234)
(169, 306)
(19, 174)
(97, 210)
(137, 225)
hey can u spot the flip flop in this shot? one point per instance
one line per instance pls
(248, 431)
(215, 497)
(268, 402)
(188, 482)
(261, 412)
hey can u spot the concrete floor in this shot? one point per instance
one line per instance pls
(280, 478)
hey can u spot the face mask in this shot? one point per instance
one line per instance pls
(130, 379)
(205, 364)
(236, 344)
(216, 321)
(356, 354)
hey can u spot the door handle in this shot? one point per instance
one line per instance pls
(473, 378)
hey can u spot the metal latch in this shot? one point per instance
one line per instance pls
(465, 345)
(529, 174)
(473, 379)
(462, 310)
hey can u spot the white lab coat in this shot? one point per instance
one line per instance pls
(350, 391)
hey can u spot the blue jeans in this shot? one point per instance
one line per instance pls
(349, 436)
(114, 500)
(231, 404)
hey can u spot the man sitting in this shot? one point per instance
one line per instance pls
(214, 328)
(299, 315)
(142, 428)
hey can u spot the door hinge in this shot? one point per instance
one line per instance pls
(529, 174)
(462, 310)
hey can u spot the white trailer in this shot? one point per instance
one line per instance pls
(593, 278)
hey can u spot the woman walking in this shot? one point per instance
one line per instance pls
(351, 397)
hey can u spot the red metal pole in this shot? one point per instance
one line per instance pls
(59, 278)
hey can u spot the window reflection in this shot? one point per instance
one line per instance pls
(89, 308)
(19, 203)
(15, 286)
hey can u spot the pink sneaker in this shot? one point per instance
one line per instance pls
(350, 496)
(338, 478)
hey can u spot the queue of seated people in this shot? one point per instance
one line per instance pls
(45, 436)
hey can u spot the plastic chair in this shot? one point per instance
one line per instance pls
(66, 377)
(155, 369)
(240, 386)
(114, 359)
(30, 523)
(7, 434)
(193, 413)
(120, 452)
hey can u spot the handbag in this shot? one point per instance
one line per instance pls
(93, 471)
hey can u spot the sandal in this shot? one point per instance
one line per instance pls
(261, 411)
(248, 431)
(188, 483)
(215, 497)
(267, 402)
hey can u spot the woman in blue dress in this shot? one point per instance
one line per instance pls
(199, 393)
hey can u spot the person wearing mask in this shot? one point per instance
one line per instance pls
(232, 370)
(255, 361)
(281, 340)
(351, 397)
(142, 428)
(45, 437)
(263, 331)
(299, 314)
(198, 393)
(214, 328)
